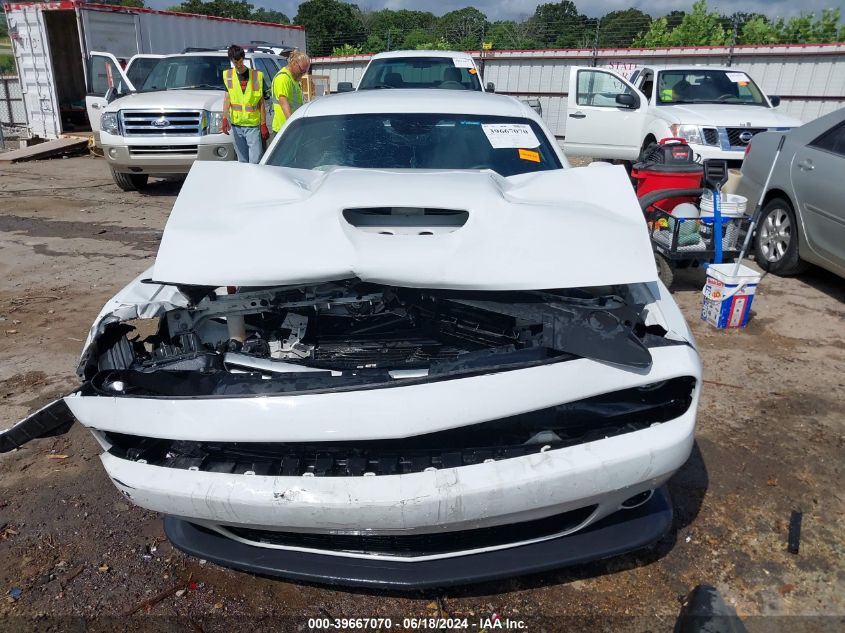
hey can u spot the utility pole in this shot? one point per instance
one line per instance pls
(596, 44)
(733, 41)
(388, 39)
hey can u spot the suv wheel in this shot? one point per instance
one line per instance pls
(130, 182)
(776, 239)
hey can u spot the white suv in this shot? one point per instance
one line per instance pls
(716, 110)
(171, 114)
(448, 70)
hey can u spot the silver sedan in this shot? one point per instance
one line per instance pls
(803, 218)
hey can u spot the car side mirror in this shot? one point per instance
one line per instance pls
(775, 101)
(626, 100)
(111, 94)
(345, 86)
(491, 87)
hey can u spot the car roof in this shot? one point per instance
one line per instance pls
(419, 100)
(692, 67)
(422, 53)
(216, 53)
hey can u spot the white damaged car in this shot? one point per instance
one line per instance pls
(413, 348)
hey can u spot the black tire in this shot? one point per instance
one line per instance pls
(130, 182)
(647, 142)
(664, 270)
(776, 239)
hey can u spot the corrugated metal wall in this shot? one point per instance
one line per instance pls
(164, 33)
(809, 79)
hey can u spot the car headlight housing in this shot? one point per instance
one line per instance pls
(690, 133)
(215, 122)
(109, 123)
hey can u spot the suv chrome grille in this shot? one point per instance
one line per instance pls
(738, 136)
(162, 123)
(163, 150)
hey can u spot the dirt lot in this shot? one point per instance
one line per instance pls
(770, 441)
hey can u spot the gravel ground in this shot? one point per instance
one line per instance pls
(770, 441)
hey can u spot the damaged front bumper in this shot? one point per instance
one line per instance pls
(392, 430)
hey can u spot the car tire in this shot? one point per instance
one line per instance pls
(130, 182)
(776, 239)
(665, 273)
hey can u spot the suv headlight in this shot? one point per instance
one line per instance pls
(109, 124)
(215, 123)
(690, 133)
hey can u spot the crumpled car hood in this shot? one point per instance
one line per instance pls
(256, 225)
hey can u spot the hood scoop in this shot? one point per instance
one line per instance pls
(405, 220)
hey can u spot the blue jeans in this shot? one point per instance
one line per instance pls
(248, 145)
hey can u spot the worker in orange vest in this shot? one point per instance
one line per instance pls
(243, 107)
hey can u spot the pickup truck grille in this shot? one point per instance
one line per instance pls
(734, 134)
(163, 150)
(161, 123)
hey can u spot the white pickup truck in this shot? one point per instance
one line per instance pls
(163, 112)
(716, 110)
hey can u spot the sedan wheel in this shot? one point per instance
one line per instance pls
(775, 234)
(776, 241)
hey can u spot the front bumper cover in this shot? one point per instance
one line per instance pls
(621, 532)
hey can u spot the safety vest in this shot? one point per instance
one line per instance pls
(284, 85)
(245, 107)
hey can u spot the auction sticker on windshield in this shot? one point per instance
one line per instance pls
(510, 135)
(462, 62)
(738, 78)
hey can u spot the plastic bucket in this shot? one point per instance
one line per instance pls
(728, 296)
(730, 205)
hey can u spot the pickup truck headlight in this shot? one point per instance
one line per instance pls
(215, 123)
(109, 124)
(690, 133)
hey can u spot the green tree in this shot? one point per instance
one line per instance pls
(124, 3)
(391, 27)
(462, 29)
(698, 28)
(347, 49)
(329, 23)
(618, 29)
(415, 38)
(560, 25)
(658, 34)
(239, 9)
(374, 44)
(269, 15)
(674, 18)
(7, 65)
(758, 30)
(508, 34)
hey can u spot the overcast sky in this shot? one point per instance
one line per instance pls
(519, 9)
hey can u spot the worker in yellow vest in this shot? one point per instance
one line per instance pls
(287, 93)
(243, 107)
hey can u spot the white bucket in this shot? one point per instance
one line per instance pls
(728, 296)
(730, 205)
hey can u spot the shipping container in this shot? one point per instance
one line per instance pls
(53, 42)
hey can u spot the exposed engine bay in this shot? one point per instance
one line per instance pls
(352, 335)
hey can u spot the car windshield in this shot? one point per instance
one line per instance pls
(708, 86)
(416, 141)
(421, 72)
(191, 71)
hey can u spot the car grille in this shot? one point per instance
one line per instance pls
(161, 123)
(599, 417)
(734, 134)
(163, 150)
(422, 544)
(711, 135)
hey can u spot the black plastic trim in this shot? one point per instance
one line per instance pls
(621, 532)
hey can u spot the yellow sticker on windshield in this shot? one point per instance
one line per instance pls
(472, 71)
(528, 154)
